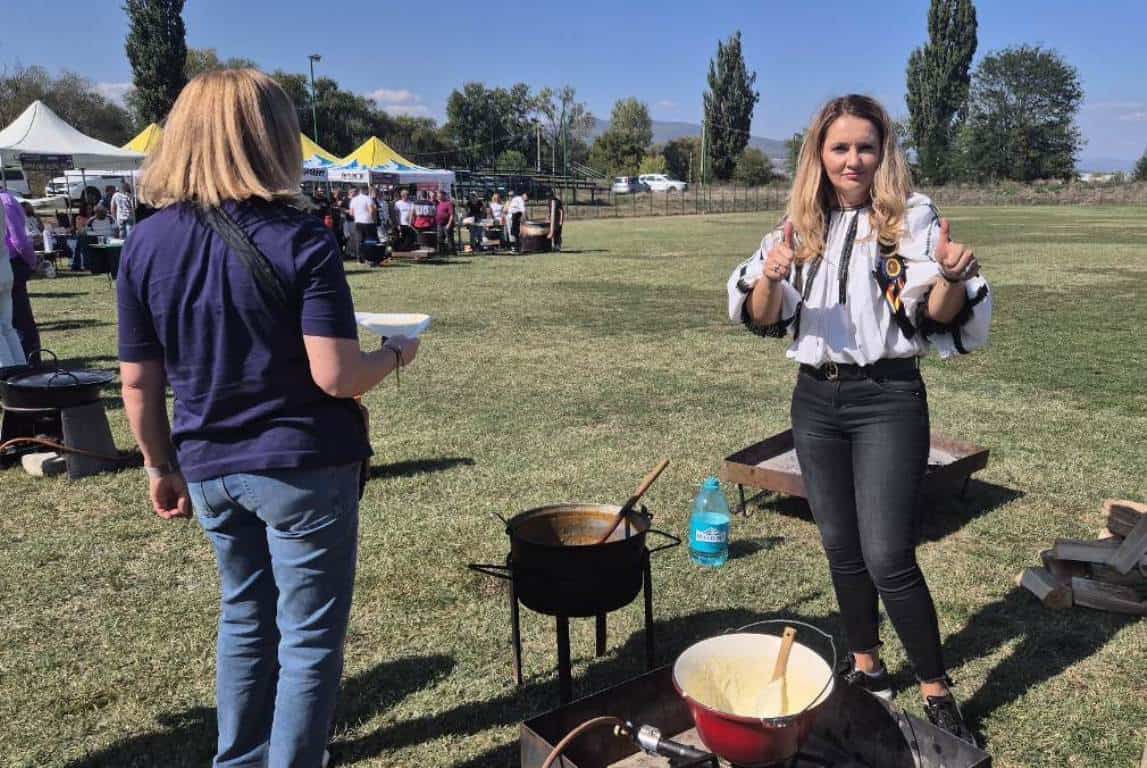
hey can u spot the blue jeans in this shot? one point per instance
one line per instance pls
(863, 450)
(285, 542)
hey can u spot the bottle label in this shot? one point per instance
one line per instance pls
(709, 537)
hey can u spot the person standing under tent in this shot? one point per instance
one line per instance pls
(444, 219)
(123, 210)
(11, 350)
(363, 211)
(404, 209)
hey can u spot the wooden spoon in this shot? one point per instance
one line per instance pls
(636, 497)
(773, 701)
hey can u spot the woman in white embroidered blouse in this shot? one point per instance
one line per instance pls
(865, 278)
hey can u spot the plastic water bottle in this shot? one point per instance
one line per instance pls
(709, 526)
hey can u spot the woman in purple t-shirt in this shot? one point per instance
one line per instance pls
(239, 301)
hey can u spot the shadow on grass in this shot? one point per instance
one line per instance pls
(540, 694)
(70, 325)
(418, 467)
(55, 294)
(188, 738)
(746, 547)
(1046, 647)
(943, 515)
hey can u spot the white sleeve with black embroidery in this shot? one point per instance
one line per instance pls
(741, 283)
(969, 329)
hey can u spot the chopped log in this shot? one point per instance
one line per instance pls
(1132, 550)
(1044, 586)
(1085, 550)
(1062, 570)
(1122, 515)
(1134, 579)
(1107, 597)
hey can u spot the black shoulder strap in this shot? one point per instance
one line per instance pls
(271, 284)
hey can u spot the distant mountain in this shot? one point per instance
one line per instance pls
(664, 131)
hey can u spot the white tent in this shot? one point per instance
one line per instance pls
(391, 173)
(40, 137)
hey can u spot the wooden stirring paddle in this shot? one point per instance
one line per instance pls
(636, 497)
(773, 701)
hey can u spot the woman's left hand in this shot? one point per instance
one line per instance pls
(169, 496)
(957, 261)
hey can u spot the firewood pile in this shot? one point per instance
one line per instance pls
(1108, 574)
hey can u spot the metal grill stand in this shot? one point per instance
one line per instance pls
(565, 673)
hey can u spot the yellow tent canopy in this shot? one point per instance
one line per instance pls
(311, 149)
(147, 141)
(375, 152)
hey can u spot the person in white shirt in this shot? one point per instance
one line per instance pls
(363, 212)
(404, 209)
(100, 225)
(123, 210)
(515, 215)
(865, 277)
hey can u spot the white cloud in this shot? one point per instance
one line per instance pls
(1134, 117)
(388, 96)
(1113, 105)
(414, 110)
(113, 91)
(667, 104)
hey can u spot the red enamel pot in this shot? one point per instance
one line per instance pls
(745, 740)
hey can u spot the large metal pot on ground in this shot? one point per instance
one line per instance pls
(558, 566)
(44, 388)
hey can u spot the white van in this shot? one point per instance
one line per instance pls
(15, 182)
(89, 184)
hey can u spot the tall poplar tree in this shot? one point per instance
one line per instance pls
(938, 80)
(729, 104)
(157, 49)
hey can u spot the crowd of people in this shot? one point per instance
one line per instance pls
(370, 222)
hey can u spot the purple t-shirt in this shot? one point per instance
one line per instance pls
(244, 397)
(15, 236)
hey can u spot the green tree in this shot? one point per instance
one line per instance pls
(74, 98)
(729, 104)
(483, 122)
(1139, 173)
(1021, 116)
(511, 160)
(753, 168)
(418, 139)
(567, 123)
(938, 81)
(200, 60)
(793, 153)
(157, 49)
(622, 147)
(653, 163)
(683, 157)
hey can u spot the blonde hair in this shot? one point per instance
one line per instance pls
(232, 135)
(812, 195)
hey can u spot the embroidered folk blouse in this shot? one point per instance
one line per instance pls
(836, 309)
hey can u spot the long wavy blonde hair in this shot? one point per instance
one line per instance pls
(232, 135)
(812, 195)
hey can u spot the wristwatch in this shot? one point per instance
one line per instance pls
(163, 470)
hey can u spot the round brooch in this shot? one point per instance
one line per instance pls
(893, 266)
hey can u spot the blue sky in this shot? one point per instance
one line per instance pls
(411, 59)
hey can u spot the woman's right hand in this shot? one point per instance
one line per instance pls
(779, 260)
(406, 347)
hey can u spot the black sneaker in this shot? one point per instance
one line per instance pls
(879, 684)
(944, 713)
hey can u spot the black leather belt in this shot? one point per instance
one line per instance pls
(889, 368)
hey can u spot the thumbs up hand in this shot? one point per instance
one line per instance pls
(779, 261)
(957, 261)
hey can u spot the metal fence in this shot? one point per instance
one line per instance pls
(599, 203)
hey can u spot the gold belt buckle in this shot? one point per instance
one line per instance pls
(831, 372)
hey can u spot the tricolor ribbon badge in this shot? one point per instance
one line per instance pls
(892, 274)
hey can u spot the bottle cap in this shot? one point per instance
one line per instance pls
(711, 484)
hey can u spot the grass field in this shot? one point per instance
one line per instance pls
(564, 377)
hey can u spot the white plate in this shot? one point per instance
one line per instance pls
(393, 323)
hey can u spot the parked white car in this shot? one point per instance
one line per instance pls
(628, 185)
(90, 184)
(659, 182)
(15, 182)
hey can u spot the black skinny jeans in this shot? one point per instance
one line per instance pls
(863, 450)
